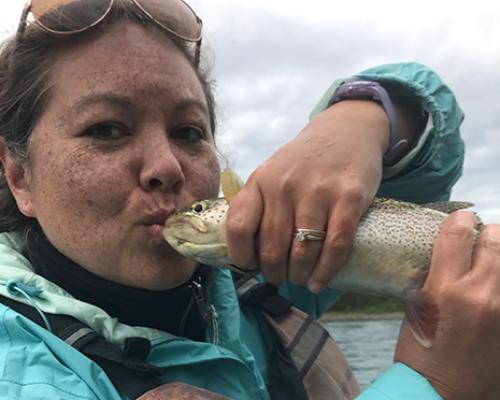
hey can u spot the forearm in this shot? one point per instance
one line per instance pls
(367, 122)
(411, 118)
(420, 168)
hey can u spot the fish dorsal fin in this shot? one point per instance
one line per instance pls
(230, 183)
(447, 206)
(451, 206)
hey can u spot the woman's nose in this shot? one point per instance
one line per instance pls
(162, 170)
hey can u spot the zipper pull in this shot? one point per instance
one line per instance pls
(201, 303)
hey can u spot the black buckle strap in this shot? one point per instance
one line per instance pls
(127, 370)
(264, 296)
(137, 348)
(77, 335)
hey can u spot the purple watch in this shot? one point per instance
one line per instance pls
(361, 89)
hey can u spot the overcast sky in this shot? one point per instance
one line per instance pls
(275, 58)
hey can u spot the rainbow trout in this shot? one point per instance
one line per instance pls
(390, 254)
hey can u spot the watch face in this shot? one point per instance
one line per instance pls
(358, 90)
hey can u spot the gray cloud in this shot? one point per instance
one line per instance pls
(274, 59)
(272, 69)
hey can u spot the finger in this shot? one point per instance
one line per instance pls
(243, 220)
(341, 230)
(452, 252)
(274, 239)
(310, 214)
(486, 261)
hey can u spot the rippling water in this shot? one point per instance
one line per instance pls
(367, 345)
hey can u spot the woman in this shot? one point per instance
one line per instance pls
(107, 128)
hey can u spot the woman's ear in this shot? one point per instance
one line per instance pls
(18, 179)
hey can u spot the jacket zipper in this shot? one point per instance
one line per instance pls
(207, 311)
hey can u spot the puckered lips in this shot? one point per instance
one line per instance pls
(154, 221)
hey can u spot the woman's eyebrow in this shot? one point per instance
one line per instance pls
(124, 102)
(186, 104)
(115, 100)
(69, 113)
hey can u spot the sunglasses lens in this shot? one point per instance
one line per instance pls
(69, 15)
(175, 16)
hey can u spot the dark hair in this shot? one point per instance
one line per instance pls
(25, 69)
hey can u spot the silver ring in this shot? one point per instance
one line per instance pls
(308, 234)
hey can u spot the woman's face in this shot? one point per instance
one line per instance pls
(124, 141)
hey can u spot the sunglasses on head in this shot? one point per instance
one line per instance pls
(74, 16)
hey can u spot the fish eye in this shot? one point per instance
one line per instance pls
(199, 206)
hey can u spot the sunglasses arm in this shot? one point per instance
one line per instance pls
(24, 19)
(197, 54)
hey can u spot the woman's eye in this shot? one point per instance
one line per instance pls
(106, 132)
(188, 134)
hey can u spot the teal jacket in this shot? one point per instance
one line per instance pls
(35, 364)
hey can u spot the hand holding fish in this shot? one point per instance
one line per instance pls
(464, 360)
(324, 179)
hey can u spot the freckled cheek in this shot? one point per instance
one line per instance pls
(84, 186)
(202, 178)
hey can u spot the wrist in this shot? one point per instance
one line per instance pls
(369, 122)
(373, 91)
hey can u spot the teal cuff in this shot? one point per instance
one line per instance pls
(400, 383)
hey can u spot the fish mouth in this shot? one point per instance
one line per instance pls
(196, 247)
(182, 223)
(206, 253)
(183, 238)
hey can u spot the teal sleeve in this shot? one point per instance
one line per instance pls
(400, 383)
(432, 170)
(427, 173)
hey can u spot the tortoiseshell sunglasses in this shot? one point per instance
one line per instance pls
(74, 16)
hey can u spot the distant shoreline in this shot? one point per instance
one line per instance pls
(358, 315)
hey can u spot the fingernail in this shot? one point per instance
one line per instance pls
(315, 287)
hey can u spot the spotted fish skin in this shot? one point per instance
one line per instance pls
(392, 249)
(390, 254)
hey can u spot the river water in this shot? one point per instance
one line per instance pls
(367, 344)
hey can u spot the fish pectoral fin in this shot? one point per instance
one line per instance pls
(422, 315)
(230, 183)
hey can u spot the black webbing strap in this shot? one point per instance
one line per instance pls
(262, 295)
(127, 370)
(285, 381)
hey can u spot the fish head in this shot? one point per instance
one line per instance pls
(199, 232)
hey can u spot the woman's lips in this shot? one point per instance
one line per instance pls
(154, 223)
(157, 217)
(155, 230)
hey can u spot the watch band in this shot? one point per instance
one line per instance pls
(363, 89)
